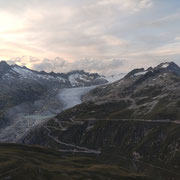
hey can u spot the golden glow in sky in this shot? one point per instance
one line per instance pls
(92, 35)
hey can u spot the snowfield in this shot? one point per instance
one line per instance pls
(72, 96)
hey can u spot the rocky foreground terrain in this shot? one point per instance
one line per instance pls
(133, 122)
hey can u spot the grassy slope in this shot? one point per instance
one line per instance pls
(36, 163)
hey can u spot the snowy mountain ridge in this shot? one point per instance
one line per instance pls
(25, 92)
(71, 79)
(163, 67)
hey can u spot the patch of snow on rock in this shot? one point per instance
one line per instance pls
(140, 73)
(23, 72)
(165, 65)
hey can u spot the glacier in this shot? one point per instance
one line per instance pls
(24, 121)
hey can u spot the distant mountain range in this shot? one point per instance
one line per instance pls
(25, 92)
(74, 78)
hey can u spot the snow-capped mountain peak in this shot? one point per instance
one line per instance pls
(169, 66)
(163, 67)
(71, 79)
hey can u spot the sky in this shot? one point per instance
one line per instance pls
(104, 36)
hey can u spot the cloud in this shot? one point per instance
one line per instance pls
(166, 20)
(109, 31)
(57, 64)
(87, 64)
(128, 5)
(177, 38)
(60, 28)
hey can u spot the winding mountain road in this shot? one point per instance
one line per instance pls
(77, 149)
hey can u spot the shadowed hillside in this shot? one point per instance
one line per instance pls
(37, 163)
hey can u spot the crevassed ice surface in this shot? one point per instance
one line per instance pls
(72, 96)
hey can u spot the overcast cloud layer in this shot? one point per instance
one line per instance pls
(105, 36)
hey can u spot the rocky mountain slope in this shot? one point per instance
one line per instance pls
(20, 84)
(133, 122)
(143, 94)
(25, 92)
